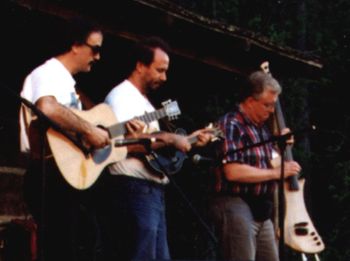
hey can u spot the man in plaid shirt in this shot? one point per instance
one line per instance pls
(242, 205)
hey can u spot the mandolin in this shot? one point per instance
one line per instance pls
(170, 159)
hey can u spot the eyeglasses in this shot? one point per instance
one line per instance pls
(266, 105)
(94, 48)
(269, 106)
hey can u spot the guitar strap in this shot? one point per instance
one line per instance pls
(25, 118)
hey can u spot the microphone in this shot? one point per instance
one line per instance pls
(142, 141)
(196, 159)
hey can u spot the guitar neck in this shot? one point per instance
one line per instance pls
(120, 128)
(193, 139)
(293, 181)
(282, 125)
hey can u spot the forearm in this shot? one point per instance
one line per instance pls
(63, 116)
(248, 174)
(164, 139)
(161, 139)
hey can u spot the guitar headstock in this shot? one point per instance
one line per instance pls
(171, 109)
(265, 67)
(215, 130)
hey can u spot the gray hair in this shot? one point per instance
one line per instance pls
(260, 81)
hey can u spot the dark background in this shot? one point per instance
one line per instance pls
(204, 92)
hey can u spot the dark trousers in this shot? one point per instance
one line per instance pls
(64, 215)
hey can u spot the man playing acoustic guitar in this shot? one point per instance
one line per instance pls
(51, 88)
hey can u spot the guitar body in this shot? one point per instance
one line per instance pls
(300, 233)
(78, 169)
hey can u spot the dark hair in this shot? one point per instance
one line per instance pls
(77, 31)
(143, 51)
(256, 83)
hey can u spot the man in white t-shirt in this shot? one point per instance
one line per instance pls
(135, 227)
(51, 87)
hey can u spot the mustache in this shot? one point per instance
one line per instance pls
(159, 83)
(93, 62)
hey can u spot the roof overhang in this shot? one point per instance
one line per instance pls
(190, 35)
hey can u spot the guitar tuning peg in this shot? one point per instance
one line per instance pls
(210, 125)
(166, 102)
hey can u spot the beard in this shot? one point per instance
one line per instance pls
(153, 86)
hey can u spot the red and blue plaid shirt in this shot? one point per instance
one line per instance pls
(240, 132)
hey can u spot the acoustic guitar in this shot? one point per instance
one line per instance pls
(80, 166)
(299, 231)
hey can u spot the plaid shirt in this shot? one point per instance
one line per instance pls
(240, 132)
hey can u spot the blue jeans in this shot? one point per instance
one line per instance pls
(133, 220)
(241, 238)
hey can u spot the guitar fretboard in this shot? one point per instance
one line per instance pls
(293, 180)
(120, 128)
(193, 140)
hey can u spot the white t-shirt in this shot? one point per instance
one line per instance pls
(49, 79)
(127, 102)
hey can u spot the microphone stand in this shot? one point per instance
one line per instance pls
(44, 123)
(273, 139)
(179, 190)
(282, 144)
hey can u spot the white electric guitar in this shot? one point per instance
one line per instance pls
(299, 231)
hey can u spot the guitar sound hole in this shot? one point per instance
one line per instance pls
(301, 231)
(301, 224)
